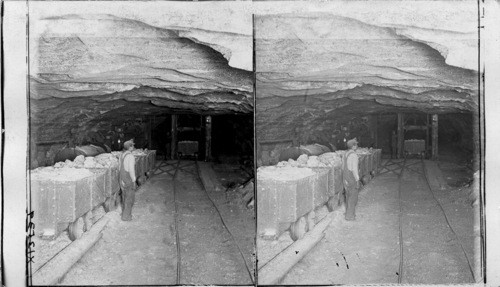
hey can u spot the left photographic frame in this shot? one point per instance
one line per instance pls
(175, 207)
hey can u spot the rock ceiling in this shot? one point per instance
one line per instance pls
(310, 67)
(90, 67)
(315, 67)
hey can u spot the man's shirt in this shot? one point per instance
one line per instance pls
(352, 164)
(129, 165)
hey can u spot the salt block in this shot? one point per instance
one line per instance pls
(313, 161)
(79, 160)
(302, 159)
(282, 164)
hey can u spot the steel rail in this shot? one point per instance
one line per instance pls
(226, 227)
(176, 226)
(448, 222)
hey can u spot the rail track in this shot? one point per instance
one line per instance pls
(412, 236)
(417, 167)
(203, 250)
(175, 170)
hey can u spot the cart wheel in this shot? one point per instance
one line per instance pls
(298, 229)
(108, 205)
(310, 220)
(331, 203)
(75, 229)
(87, 220)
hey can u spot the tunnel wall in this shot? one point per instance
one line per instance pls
(47, 140)
(457, 130)
(329, 132)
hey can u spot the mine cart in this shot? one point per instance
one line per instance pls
(111, 185)
(335, 185)
(65, 198)
(377, 158)
(187, 149)
(141, 165)
(414, 147)
(287, 198)
(364, 159)
(151, 160)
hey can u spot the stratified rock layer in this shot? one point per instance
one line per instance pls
(315, 70)
(87, 69)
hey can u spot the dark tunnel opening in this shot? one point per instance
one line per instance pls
(233, 138)
(455, 133)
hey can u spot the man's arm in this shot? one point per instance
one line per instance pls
(356, 167)
(130, 166)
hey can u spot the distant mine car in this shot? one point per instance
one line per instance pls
(187, 149)
(66, 195)
(290, 193)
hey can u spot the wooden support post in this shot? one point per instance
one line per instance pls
(400, 135)
(374, 130)
(434, 137)
(150, 131)
(208, 138)
(173, 146)
(427, 125)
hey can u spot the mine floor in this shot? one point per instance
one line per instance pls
(144, 251)
(368, 251)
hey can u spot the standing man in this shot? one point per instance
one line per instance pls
(127, 179)
(350, 179)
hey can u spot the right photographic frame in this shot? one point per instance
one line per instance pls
(369, 143)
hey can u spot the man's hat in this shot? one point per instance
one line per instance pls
(128, 144)
(352, 142)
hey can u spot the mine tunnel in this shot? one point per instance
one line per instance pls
(187, 104)
(405, 208)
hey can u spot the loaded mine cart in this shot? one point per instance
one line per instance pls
(414, 147)
(377, 159)
(151, 159)
(63, 198)
(141, 163)
(335, 185)
(110, 165)
(287, 198)
(369, 161)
